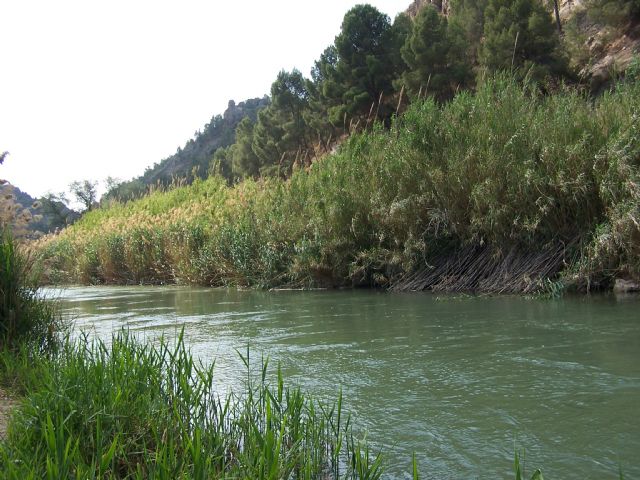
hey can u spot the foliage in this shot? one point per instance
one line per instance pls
(617, 13)
(468, 15)
(133, 410)
(282, 128)
(521, 34)
(25, 317)
(435, 53)
(365, 67)
(245, 163)
(504, 167)
(86, 193)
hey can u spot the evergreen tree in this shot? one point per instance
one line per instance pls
(290, 101)
(281, 133)
(365, 66)
(469, 16)
(267, 135)
(435, 53)
(324, 93)
(400, 31)
(521, 34)
(221, 164)
(244, 162)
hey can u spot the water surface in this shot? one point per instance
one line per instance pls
(460, 381)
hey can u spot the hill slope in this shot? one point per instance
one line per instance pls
(192, 160)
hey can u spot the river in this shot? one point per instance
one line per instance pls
(462, 381)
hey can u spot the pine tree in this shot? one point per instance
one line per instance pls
(244, 161)
(365, 67)
(520, 34)
(281, 132)
(469, 16)
(435, 53)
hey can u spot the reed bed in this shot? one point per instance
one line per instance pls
(500, 170)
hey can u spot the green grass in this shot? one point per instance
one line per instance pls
(25, 318)
(505, 166)
(133, 410)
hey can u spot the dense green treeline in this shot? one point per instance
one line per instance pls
(375, 66)
(505, 167)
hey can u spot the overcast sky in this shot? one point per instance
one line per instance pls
(90, 89)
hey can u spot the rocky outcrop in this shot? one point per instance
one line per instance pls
(610, 55)
(608, 50)
(416, 6)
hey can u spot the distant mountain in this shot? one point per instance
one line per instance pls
(192, 160)
(48, 214)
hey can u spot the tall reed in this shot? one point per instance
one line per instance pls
(505, 166)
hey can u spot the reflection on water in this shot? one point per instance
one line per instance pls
(461, 382)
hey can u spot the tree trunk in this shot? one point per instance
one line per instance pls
(556, 9)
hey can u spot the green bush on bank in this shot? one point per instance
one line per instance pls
(505, 166)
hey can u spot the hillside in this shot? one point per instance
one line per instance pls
(595, 43)
(459, 197)
(192, 160)
(46, 215)
(302, 118)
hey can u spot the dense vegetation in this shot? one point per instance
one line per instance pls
(375, 65)
(372, 70)
(448, 173)
(507, 170)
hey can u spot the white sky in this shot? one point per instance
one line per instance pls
(91, 88)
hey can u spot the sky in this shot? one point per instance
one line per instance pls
(91, 89)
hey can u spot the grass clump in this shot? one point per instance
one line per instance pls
(133, 410)
(26, 319)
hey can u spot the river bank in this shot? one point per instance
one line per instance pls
(502, 190)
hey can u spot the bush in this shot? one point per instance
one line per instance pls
(25, 317)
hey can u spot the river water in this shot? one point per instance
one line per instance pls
(461, 381)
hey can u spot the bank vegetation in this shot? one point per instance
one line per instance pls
(507, 189)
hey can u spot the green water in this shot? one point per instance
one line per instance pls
(460, 381)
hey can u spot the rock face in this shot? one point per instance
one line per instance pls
(609, 50)
(416, 6)
(610, 56)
